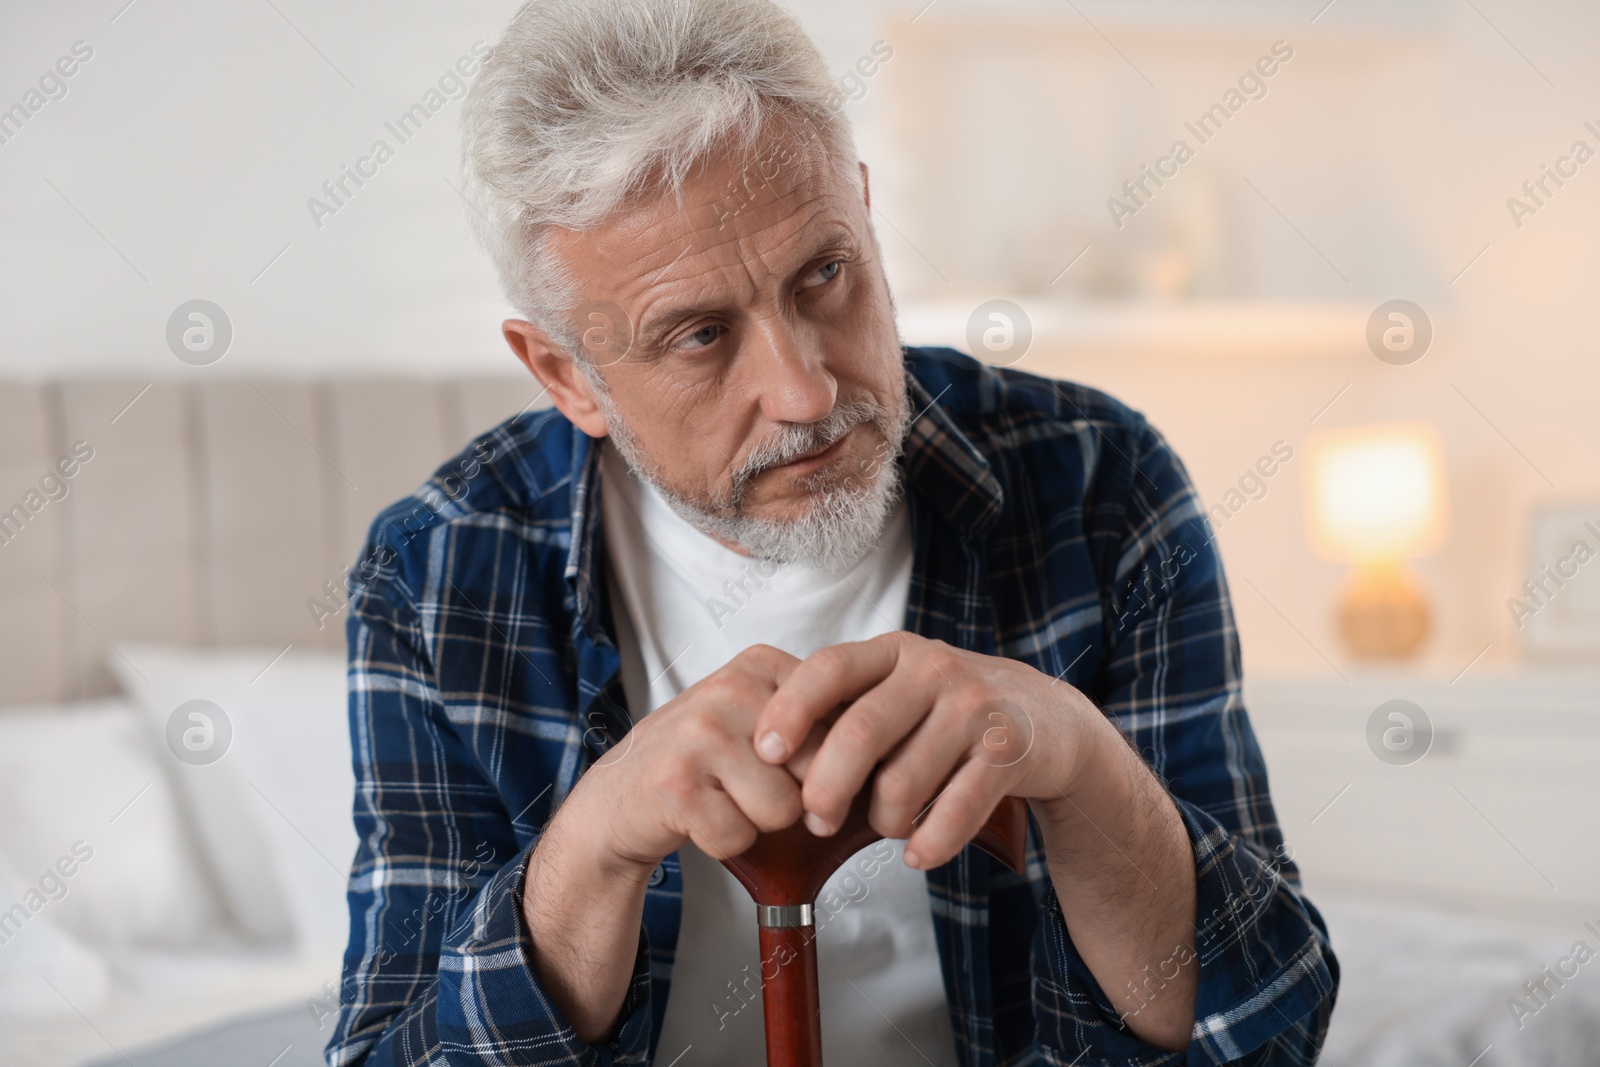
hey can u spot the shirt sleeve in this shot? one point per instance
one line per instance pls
(438, 968)
(1170, 679)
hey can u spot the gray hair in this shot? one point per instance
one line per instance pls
(584, 102)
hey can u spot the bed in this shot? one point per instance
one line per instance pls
(180, 541)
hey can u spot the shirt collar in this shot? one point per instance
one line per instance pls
(945, 468)
(585, 544)
(942, 467)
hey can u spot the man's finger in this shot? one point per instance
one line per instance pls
(868, 731)
(799, 763)
(712, 820)
(956, 816)
(766, 663)
(911, 777)
(829, 677)
(768, 796)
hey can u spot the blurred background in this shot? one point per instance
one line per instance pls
(1341, 253)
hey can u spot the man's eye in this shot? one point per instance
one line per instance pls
(825, 274)
(702, 337)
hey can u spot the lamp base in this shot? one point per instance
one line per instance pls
(1383, 613)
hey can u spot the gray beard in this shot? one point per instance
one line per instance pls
(848, 511)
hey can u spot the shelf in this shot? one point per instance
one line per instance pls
(1155, 330)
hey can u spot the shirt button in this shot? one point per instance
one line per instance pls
(658, 875)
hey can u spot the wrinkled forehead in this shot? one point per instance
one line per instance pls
(750, 209)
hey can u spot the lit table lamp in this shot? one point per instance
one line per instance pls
(1376, 498)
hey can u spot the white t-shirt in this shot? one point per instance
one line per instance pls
(684, 605)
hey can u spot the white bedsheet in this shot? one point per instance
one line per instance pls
(159, 994)
(1423, 988)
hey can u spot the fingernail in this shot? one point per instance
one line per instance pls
(817, 824)
(913, 860)
(771, 746)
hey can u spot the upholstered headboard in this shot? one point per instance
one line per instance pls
(207, 515)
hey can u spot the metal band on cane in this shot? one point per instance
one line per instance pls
(784, 915)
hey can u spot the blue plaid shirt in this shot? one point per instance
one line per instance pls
(1052, 525)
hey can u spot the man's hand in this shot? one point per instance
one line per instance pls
(686, 771)
(956, 731)
(955, 728)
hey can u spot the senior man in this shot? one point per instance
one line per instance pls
(758, 551)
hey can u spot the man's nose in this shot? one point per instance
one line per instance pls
(790, 376)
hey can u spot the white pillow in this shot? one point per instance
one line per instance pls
(274, 809)
(34, 952)
(89, 822)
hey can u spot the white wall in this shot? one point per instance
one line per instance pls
(181, 159)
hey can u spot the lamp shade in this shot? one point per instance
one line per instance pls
(1376, 493)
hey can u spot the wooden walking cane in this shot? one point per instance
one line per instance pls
(784, 871)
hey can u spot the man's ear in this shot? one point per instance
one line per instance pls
(569, 390)
(866, 188)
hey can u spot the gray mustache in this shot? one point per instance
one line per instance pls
(795, 441)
